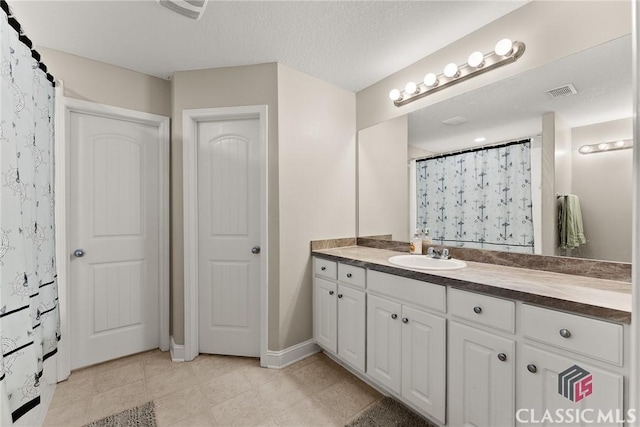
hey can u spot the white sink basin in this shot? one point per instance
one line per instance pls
(422, 262)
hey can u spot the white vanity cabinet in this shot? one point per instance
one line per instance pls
(561, 381)
(339, 310)
(406, 345)
(481, 361)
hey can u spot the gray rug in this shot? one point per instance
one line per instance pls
(387, 413)
(140, 416)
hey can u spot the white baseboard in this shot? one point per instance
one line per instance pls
(288, 356)
(177, 351)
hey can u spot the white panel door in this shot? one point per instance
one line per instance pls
(481, 385)
(351, 326)
(383, 342)
(325, 314)
(114, 202)
(229, 227)
(586, 388)
(423, 361)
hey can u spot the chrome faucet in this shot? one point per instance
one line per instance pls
(434, 253)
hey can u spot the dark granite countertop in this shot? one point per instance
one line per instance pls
(600, 298)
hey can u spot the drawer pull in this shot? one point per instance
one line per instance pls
(323, 268)
(394, 316)
(565, 333)
(339, 295)
(477, 309)
(502, 357)
(405, 320)
(349, 275)
(330, 292)
(532, 368)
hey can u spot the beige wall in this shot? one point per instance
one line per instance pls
(223, 87)
(383, 177)
(604, 181)
(107, 84)
(317, 159)
(550, 30)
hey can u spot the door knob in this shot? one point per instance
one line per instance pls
(502, 357)
(477, 309)
(255, 250)
(405, 320)
(394, 316)
(78, 253)
(532, 368)
(339, 295)
(330, 292)
(565, 333)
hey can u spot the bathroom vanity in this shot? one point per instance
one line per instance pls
(483, 345)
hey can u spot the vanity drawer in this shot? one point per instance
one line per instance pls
(482, 309)
(408, 290)
(590, 337)
(350, 275)
(326, 268)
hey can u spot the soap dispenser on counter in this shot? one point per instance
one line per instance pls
(415, 247)
(426, 241)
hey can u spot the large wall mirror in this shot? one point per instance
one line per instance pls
(514, 109)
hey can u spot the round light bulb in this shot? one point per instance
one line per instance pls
(504, 47)
(411, 88)
(451, 70)
(619, 144)
(394, 95)
(476, 59)
(603, 146)
(585, 149)
(430, 80)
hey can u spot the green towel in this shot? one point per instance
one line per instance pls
(570, 222)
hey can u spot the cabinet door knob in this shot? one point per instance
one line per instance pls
(339, 295)
(394, 316)
(565, 333)
(330, 292)
(405, 320)
(502, 357)
(323, 268)
(532, 368)
(477, 309)
(349, 275)
(78, 253)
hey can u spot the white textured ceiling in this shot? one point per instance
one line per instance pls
(513, 108)
(352, 44)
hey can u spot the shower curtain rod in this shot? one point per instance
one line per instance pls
(472, 150)
(25, 40)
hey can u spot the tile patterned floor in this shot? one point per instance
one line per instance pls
(213, 391)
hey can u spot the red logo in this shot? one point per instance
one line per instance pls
(575, 383)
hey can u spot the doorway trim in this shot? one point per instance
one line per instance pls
(190, 121)
(65, 106)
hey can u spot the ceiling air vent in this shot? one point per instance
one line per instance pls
(559, 92)
(455, 121)
(190, 8)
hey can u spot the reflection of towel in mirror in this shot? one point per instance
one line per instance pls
(570, 222)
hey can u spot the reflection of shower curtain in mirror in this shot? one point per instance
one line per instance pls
(29, 321)
(478, 199)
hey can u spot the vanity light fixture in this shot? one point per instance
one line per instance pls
(621, 144)
(505, 52)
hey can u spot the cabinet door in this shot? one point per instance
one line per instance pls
(481, 385)
(325, 314)
(383, 341)
(423, 361)
(351, 326)
(582, 388)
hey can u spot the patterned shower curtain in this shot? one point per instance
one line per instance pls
(29, 318)
(478, 199)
